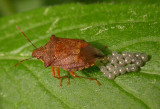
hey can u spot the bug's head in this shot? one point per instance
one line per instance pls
(38, 53)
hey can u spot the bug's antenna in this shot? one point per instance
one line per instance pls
(25, 36)
(22, 61)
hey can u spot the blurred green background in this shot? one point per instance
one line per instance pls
(9, 7)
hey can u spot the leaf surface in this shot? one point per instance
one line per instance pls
(122, 27)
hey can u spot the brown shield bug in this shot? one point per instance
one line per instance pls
(68, 54)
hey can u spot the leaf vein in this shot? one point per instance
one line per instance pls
(49, 92)
(132, 96)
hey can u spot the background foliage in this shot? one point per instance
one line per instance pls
(9, 7)
(122, 26)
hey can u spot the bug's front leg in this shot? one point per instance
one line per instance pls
(58, 75)
(72, 73)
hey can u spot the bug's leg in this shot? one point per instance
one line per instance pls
(72, 73)
(58, 75)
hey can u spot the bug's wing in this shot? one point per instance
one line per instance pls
(69, 62)
(78, 60)
(67, 53)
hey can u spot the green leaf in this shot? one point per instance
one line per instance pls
(122, 27)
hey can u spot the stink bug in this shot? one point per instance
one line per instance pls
(68, 54)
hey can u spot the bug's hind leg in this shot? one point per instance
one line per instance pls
(58, 76)
(72, 73)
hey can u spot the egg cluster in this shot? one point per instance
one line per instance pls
(117, 64)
